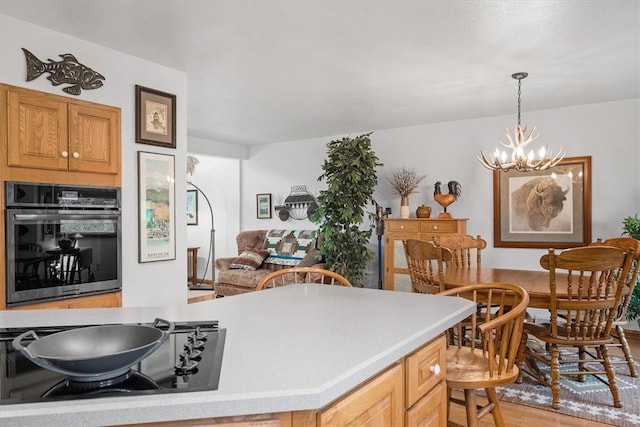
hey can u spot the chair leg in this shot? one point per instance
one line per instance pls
(611, 376)
(522, 354)
(582, 355)
(471, 406)
(555, 376)
(496, 411)
(627, 351)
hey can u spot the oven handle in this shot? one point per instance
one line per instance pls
(25, 217)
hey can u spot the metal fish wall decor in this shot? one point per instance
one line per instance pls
(67, 71)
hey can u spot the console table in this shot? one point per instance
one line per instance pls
(192, 259)
(398, 229)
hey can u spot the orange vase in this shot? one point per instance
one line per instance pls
(423, 211)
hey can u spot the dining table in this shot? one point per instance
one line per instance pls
(535, 282)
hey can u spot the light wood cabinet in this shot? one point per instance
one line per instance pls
(410, 393)
(399, 229)
(426, 390)
(377, 403)
(57, 133)
(113, 299)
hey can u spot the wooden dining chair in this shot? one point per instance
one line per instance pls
(301, 275)
(426, 261)
(486, 358)
(465, 249)
(620, 339)
(28, 265)
(595, 276)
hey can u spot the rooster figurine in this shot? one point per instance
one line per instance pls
(444, 200)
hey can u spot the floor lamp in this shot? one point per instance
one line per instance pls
(212, 249)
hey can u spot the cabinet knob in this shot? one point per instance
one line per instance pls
(402, 227)
(76, 154)
(435, 369)
(435, 227)
(64, 154)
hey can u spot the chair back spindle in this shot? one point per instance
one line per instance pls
(463, 248)
(426, 261)
(301, 275)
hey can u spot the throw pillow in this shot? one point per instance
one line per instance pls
(249, 259)
(312, 258)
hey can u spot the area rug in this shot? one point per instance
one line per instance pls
(589, 400)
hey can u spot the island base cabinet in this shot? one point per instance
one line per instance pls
(380, 402)
(431, 410)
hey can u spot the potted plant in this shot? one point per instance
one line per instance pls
(405, 182)
(631, 228)
(350, 175)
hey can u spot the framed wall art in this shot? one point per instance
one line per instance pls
(156, 210)
(543, 209)
(155, 117)
(192, 207)
(263, 206)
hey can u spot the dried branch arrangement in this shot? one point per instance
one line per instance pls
(405, 181)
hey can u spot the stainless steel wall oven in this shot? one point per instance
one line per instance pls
(61, 241)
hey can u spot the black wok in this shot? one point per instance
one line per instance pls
(94, 353)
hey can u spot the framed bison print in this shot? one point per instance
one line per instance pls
(543, 209)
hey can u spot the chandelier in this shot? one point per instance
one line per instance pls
(520, 160)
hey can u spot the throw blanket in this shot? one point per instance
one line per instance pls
(288, 247)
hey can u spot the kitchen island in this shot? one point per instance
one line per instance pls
(292, 350)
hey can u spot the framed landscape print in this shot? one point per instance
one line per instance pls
(543, 209)
(263, 206)
(156, 210)
(192, 207)
(155, 117)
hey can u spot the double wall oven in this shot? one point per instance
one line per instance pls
(61, 241)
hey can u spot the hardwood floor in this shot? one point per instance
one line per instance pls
(198, 296)
(520, 415)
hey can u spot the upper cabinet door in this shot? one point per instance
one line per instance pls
(37, 131)
(94, 139)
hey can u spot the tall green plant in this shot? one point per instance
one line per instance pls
(350, 175)
(631, 228)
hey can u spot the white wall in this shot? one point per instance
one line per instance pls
(157, 283)
(609, 132)
(219, 179)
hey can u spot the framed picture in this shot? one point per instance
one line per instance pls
(192, 207)
(156, 207)
(263, 205)
(155, 117)
(543, 209)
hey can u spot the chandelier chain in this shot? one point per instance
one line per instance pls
(519, 102)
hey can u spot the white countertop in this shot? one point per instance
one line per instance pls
(290, 348)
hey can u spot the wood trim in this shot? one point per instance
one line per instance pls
(205, 297)
(263, 420)
(632, 334)
(113, 299)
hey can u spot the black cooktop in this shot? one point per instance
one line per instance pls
(189, 360)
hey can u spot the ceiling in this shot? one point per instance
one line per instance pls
(268, 71)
